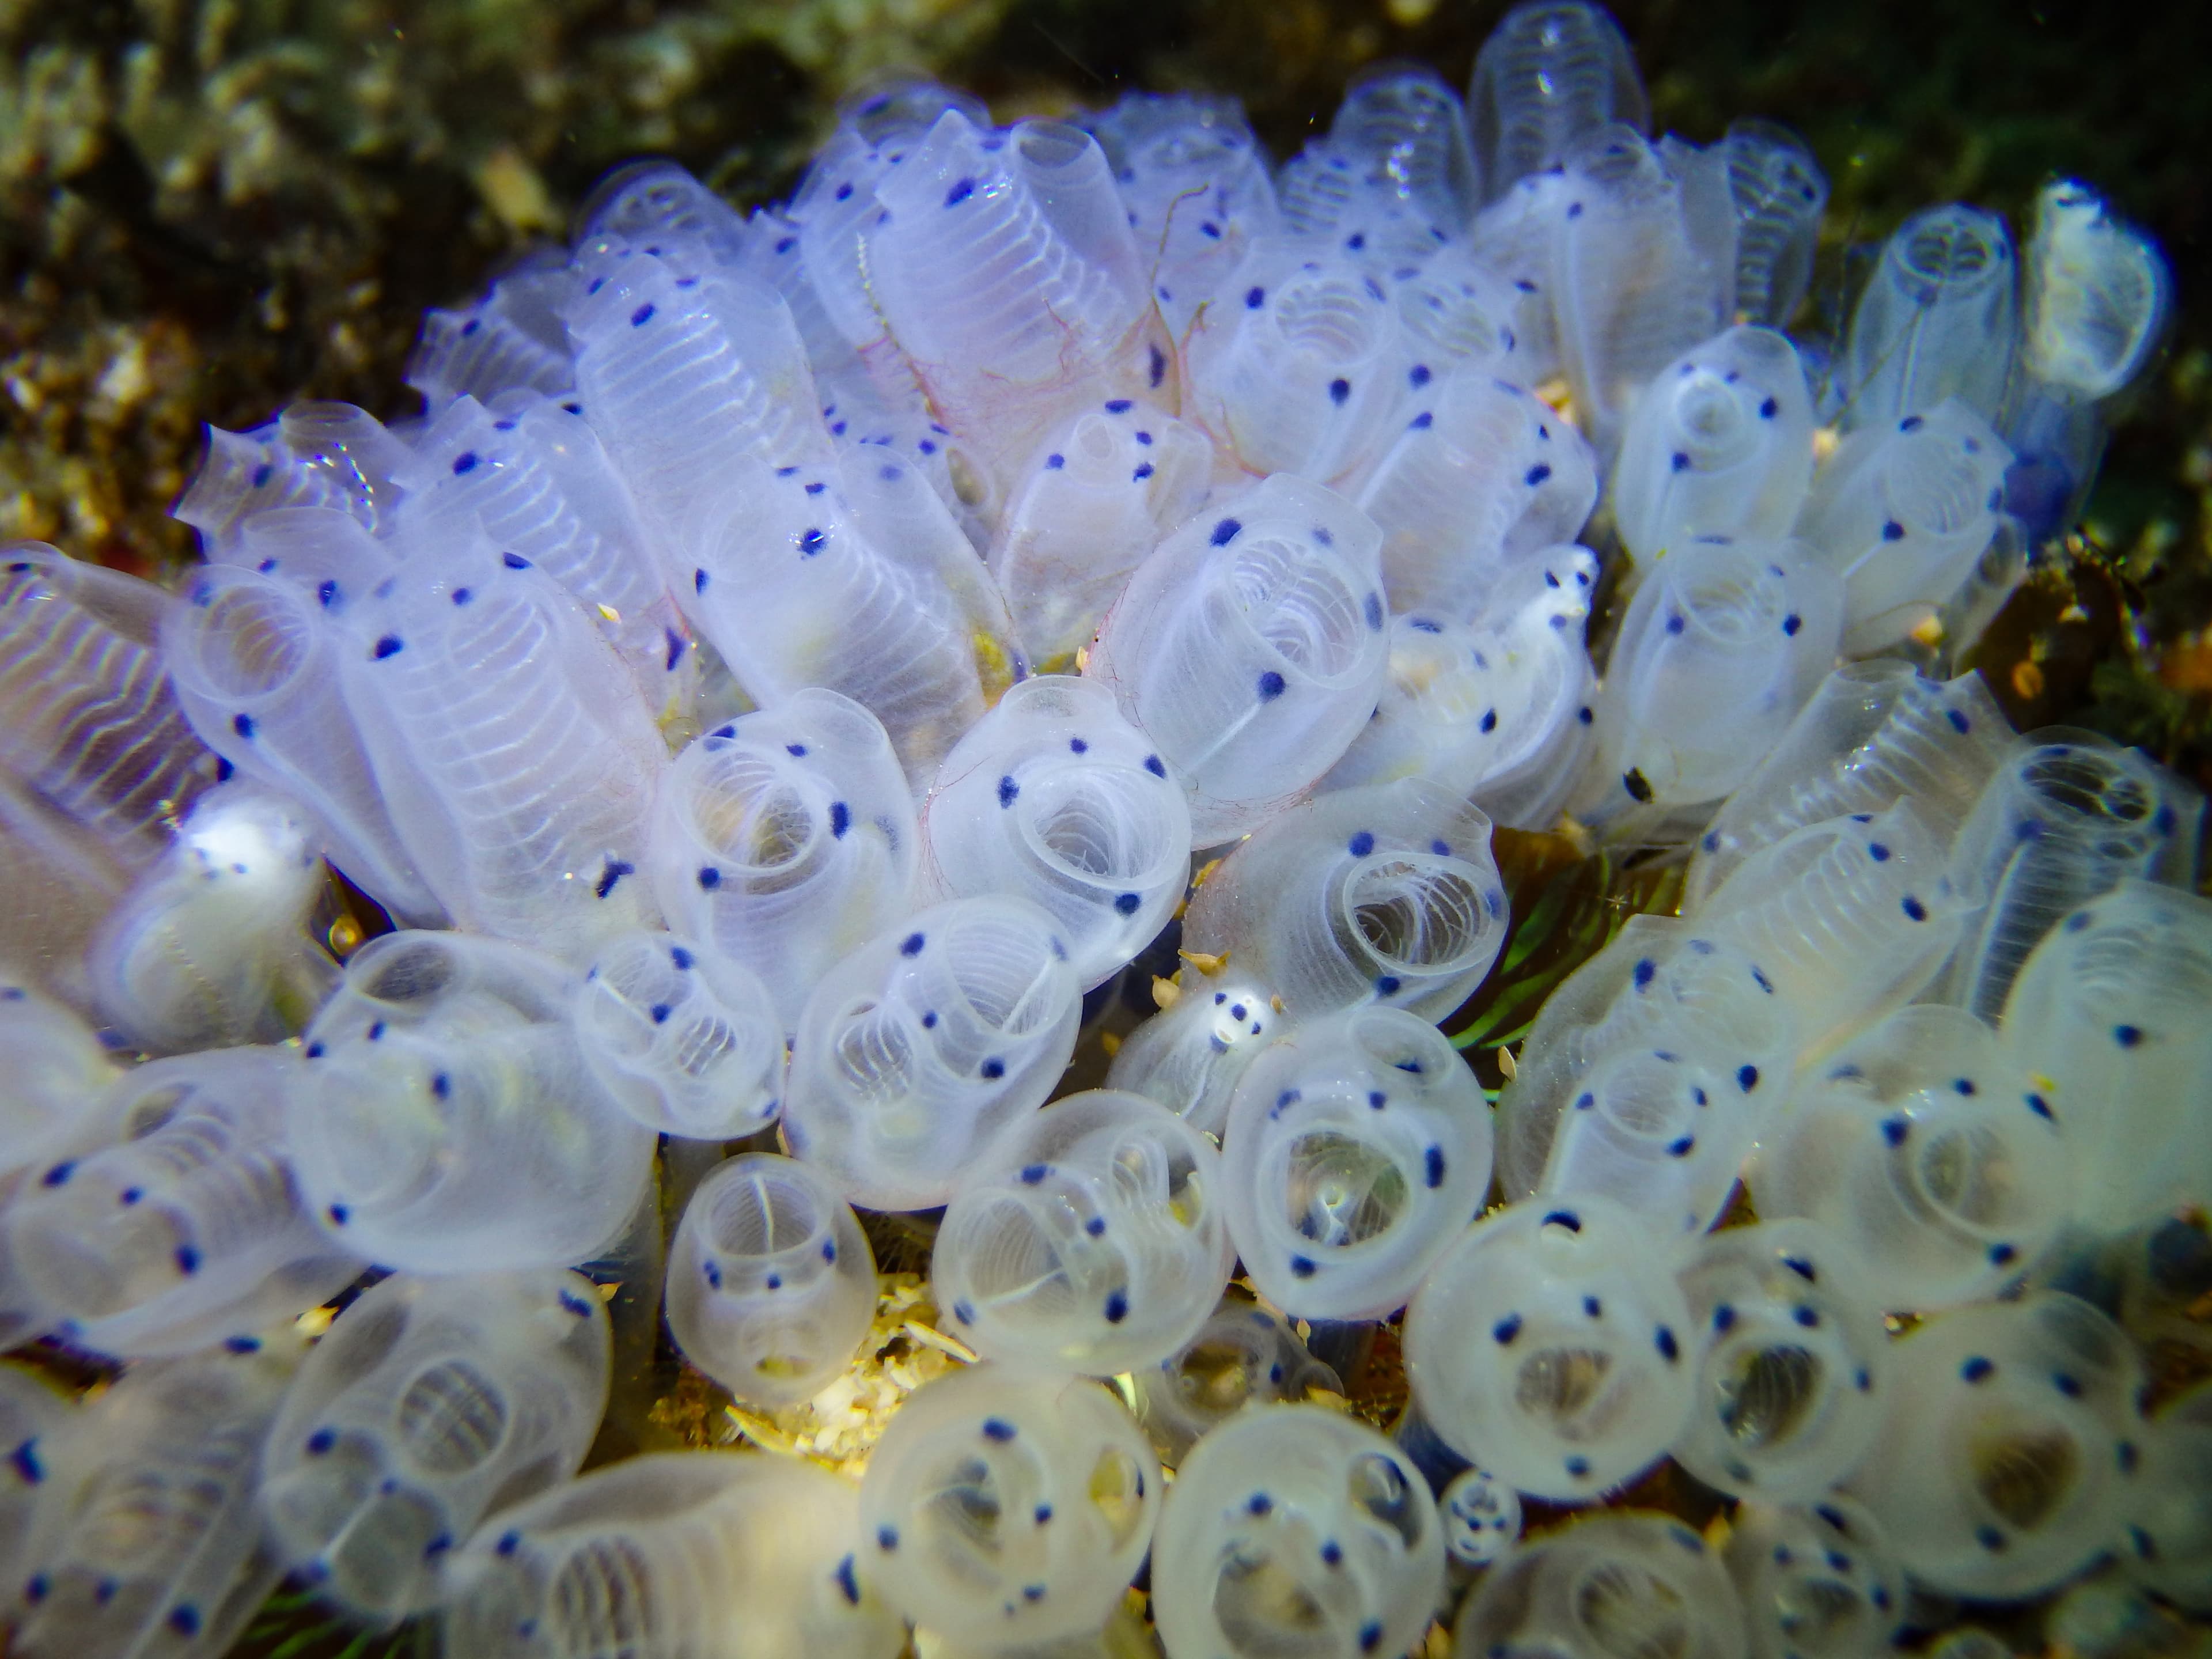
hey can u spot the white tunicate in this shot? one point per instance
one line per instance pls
(1099, 497)
(56, 1070)
(2170, 1517)
(919, 1050)
(1780, 190)
(447, 1122)
(1498, 710)
(1934, 321)
(317, 454)
(1481, 1517)
(771, 1283)
(2107, 1016)
(35, 1423)
(1822, 1569)
(1395, 168)
(1627, 1581)
(1048, 797)
(1644, 266)
(1902, 513)
(1456, 317)
(1873, 734)
(1250, 647)
(1791, 1361)
(1004, 1508)
(786, 840)
(428, 1403)
(1196, 182)
(2011, 1451)
(1386, 893)
(512, 339)
(1550, 71)
(2070, 815)
(1294, 1524)
(686, 1040)
(187, 1224)
(852, 576)
(1358, 1148)
(1647, 1076)
(2095, 294)
(1243, 1355)
(1720, 444)
(1476, 487)
(1548, 1346)
(1093, 1240)
(146, 1540)
(673, 1555)
(1721, 646)
(1847, 919)
(519, 786)
(1298, 366)
(1922, 1145)
(1189, 1055)
(89, 722)
(57, 886)
(254, 655)
(213, 946)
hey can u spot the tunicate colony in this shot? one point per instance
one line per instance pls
(795, 658)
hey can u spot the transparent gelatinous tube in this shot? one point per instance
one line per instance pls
(921, 1048)
(1481, 1517)
(2011, 1448)
(510, 339)
(1498, 711)
(1386, 893)
(1721, 646)
(1482, 480)
(187, 1226)
(1293, 1523)
(2170, 1517)
(1925, 1147)
(1609, 1583)
(1048, 797)
(786, 840)
(447, 1122)
(1827, 1554)
(1189, 1055)
(1551, 1346)
(771, 1284)
(1646, 1078)
(1006, 1507)
(1720, 443)
(1549, 73)
(428, 1404)
(1402, 137)
(36, 1422)
(1791, 1361)
(1936, 320)
(1873, 734)
(1249, 648)
(1780, 190)
(2106, 1016)
(1094, 1239)
(673, 1555)
(1902, 513)
(2095, 295)
(1358, 1148)
(2070, 816)
(146, 1540)
(1243, 1355)
(686, 1040)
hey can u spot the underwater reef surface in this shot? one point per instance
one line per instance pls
(208, 207)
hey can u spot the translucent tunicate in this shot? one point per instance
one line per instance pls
(771, 1284)
(1189, 1055)
(927, 1045)
(1780, 190)
(1819, 1575)
(1358, 1147)
(672, 1555)
(1296, 1524)
(1550, 72)
(1243, 1355)
(428, 1404)
(1481, 1517)
(2170, 1517)
(447, 1123)
(1627, 1581)
(2012, 1446)
(1934, 320)
(1249, 648)
(1048, 797)
(785, 839)
(1095, 1239)
(685, 1040)
(1550, 1347)
(1004, 1508)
